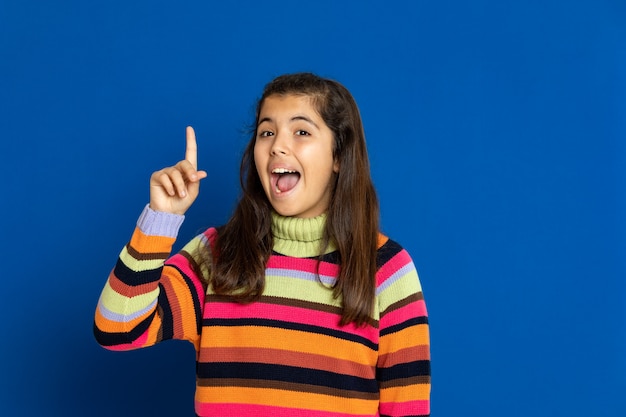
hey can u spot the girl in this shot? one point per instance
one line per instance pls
(298, 306)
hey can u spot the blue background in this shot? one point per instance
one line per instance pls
(496, 132)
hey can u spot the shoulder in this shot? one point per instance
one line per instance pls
(394, 265)
(201, 242)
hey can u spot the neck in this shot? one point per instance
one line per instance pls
(302, 238)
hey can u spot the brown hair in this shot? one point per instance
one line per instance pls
(245, 243)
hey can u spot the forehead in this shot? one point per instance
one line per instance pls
(288, 105)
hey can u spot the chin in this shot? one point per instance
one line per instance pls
(283, 212)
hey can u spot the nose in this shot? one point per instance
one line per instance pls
(280, 146)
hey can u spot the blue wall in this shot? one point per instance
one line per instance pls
(497, 136)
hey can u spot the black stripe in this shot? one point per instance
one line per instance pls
(167, 319)
(390, 249)
(134, 278)
(291, 326)
(403, 370)
(194, 297)
(283, 373)
(415, 321)
(114, 339)
(332, 258)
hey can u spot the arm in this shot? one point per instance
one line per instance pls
(147, 299)
(403, 369)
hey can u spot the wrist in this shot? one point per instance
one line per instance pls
(159, 223)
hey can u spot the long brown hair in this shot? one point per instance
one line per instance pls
(245, 243)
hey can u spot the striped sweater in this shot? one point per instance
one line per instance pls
(284, 355)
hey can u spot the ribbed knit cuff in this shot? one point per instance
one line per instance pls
(159, 223)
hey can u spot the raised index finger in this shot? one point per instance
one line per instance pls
(191, 152)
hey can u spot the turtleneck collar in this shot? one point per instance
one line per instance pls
(298, 237)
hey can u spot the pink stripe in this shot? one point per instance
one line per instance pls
(136, 344)
(238, 410)
(306, 265)
(288, 314)
(410, 408)
(410, 311)
(394, 264)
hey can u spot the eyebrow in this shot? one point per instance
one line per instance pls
(293, 119)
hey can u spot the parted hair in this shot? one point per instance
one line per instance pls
(244, 244)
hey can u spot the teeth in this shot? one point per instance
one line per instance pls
(283, 171)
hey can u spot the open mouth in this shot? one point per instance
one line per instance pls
(284, 180)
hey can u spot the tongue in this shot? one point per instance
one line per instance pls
(287, 181)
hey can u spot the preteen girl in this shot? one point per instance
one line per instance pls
(298, 306)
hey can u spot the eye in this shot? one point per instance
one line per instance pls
(302, 133)
(265, 134)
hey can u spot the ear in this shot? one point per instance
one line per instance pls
(336, 166)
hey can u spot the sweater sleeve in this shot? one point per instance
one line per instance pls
(403, 369)
(149, 298)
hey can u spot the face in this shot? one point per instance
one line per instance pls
(293, 154)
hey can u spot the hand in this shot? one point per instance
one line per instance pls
(175, 188)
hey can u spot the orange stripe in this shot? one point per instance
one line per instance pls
(111, 326)
(283, 339)
(289, 358)
(181, 304)
(382, 239)
(151, 244)
(108, 326)
(406, 338)
(153, 331)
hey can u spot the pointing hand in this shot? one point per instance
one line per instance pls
(174, 189)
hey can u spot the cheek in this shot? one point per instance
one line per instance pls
(258, 160)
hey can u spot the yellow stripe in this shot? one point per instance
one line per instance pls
(300, 289)
(407, 284)
(120, 304)
(196, 245)
(139, 265)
